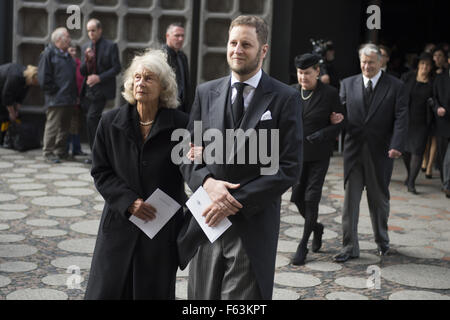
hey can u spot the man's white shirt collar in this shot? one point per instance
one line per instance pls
(253, 81)
(374, 79)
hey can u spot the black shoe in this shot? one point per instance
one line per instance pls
(383, 251)
(423, 169)
(79, 153)
(88, 161)
(317, 237)
(342, 257)
(300, 256)
(412, 190)
(429, 176)
(447, 193)
(52, 159)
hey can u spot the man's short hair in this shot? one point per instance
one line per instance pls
(98, 24)
(174, 25)
(58, 34)
(262, 29)
(369, 48)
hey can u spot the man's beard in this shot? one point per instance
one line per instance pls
(248, 68)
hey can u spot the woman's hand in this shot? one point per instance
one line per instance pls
(336, 118)
(195, 153)
(142, 210)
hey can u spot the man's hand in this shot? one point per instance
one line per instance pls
(92, 80)
(336, 118)
(224, 204)
(13, 113)
(325, 79)
(394, 154)
(441, 111)
(142, 210)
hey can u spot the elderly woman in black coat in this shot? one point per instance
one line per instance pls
(131, 159)
(419, 88)
(15, 80)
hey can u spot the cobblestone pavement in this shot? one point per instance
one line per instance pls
(49, 216)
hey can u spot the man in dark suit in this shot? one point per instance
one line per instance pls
(241, 263)
(442, 111)
(179, 63)
(100, 66)
(319, 102)
(377, 122)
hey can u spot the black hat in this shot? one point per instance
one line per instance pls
(306, 60)
(425, 56)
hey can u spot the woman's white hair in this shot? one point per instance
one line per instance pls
(369, 48)
(154, 61)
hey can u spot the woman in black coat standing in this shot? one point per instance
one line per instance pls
(320, 104)
(419, 88)
(131, 159)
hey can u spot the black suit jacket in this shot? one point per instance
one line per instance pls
(384, 127)
(316, 117)
(259, 221)
(186, 99)
(442, 99)
(107, 65)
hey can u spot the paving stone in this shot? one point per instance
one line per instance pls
(11, 215)
(293, 219)
(56, 201)
(5, 238)
(39, 166)
(4, 165)
(68, 170)
(24, 170)
(99, 207)
(16, 250)
(13, 206)
(418, 275)
(87, 227)
(60, 279)
(298, 280)
(86, 177)
(75, 191)
(25, 161)
(284, 294)
(20, 180)
(44, 233)
(442, 245)
(366, 245)
(7, 197)
(17, 266)
(79, 261)
(27, 186)
(37, 294)
(281, 261)
(364, 259)
(51, 176)
(71, 183)
(65, 212)
(4, 281)
(345, 295)
(287, 246)
(42, 222)
(3, 226)
(323, 266)
(417, 295)
(78, 245)
(421, 252)
(323, 210)
(33, 193)
(13, 175)
(352, 282)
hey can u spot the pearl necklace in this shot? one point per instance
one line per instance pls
(307, 96)
(146, 124)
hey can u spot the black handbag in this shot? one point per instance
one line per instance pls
(22, 137)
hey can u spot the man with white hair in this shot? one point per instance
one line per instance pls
(57, 78)
(377, 123)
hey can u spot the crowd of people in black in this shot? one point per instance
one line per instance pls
(385, 115)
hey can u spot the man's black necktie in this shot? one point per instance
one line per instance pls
(368, 95)
(238, 104)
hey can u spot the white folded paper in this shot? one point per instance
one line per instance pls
(165, 207)
(197, 204)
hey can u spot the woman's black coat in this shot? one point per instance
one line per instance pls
(13, 88)
(124, 169)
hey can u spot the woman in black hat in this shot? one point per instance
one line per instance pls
(321, 106)
(419, 88)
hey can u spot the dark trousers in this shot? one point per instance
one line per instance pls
(94, 110)
(363, 175)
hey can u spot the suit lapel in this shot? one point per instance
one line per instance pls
(259, 104)
(218, 98)
(380, 92)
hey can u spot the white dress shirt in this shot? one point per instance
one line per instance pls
(249, 90)
(374, 80)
